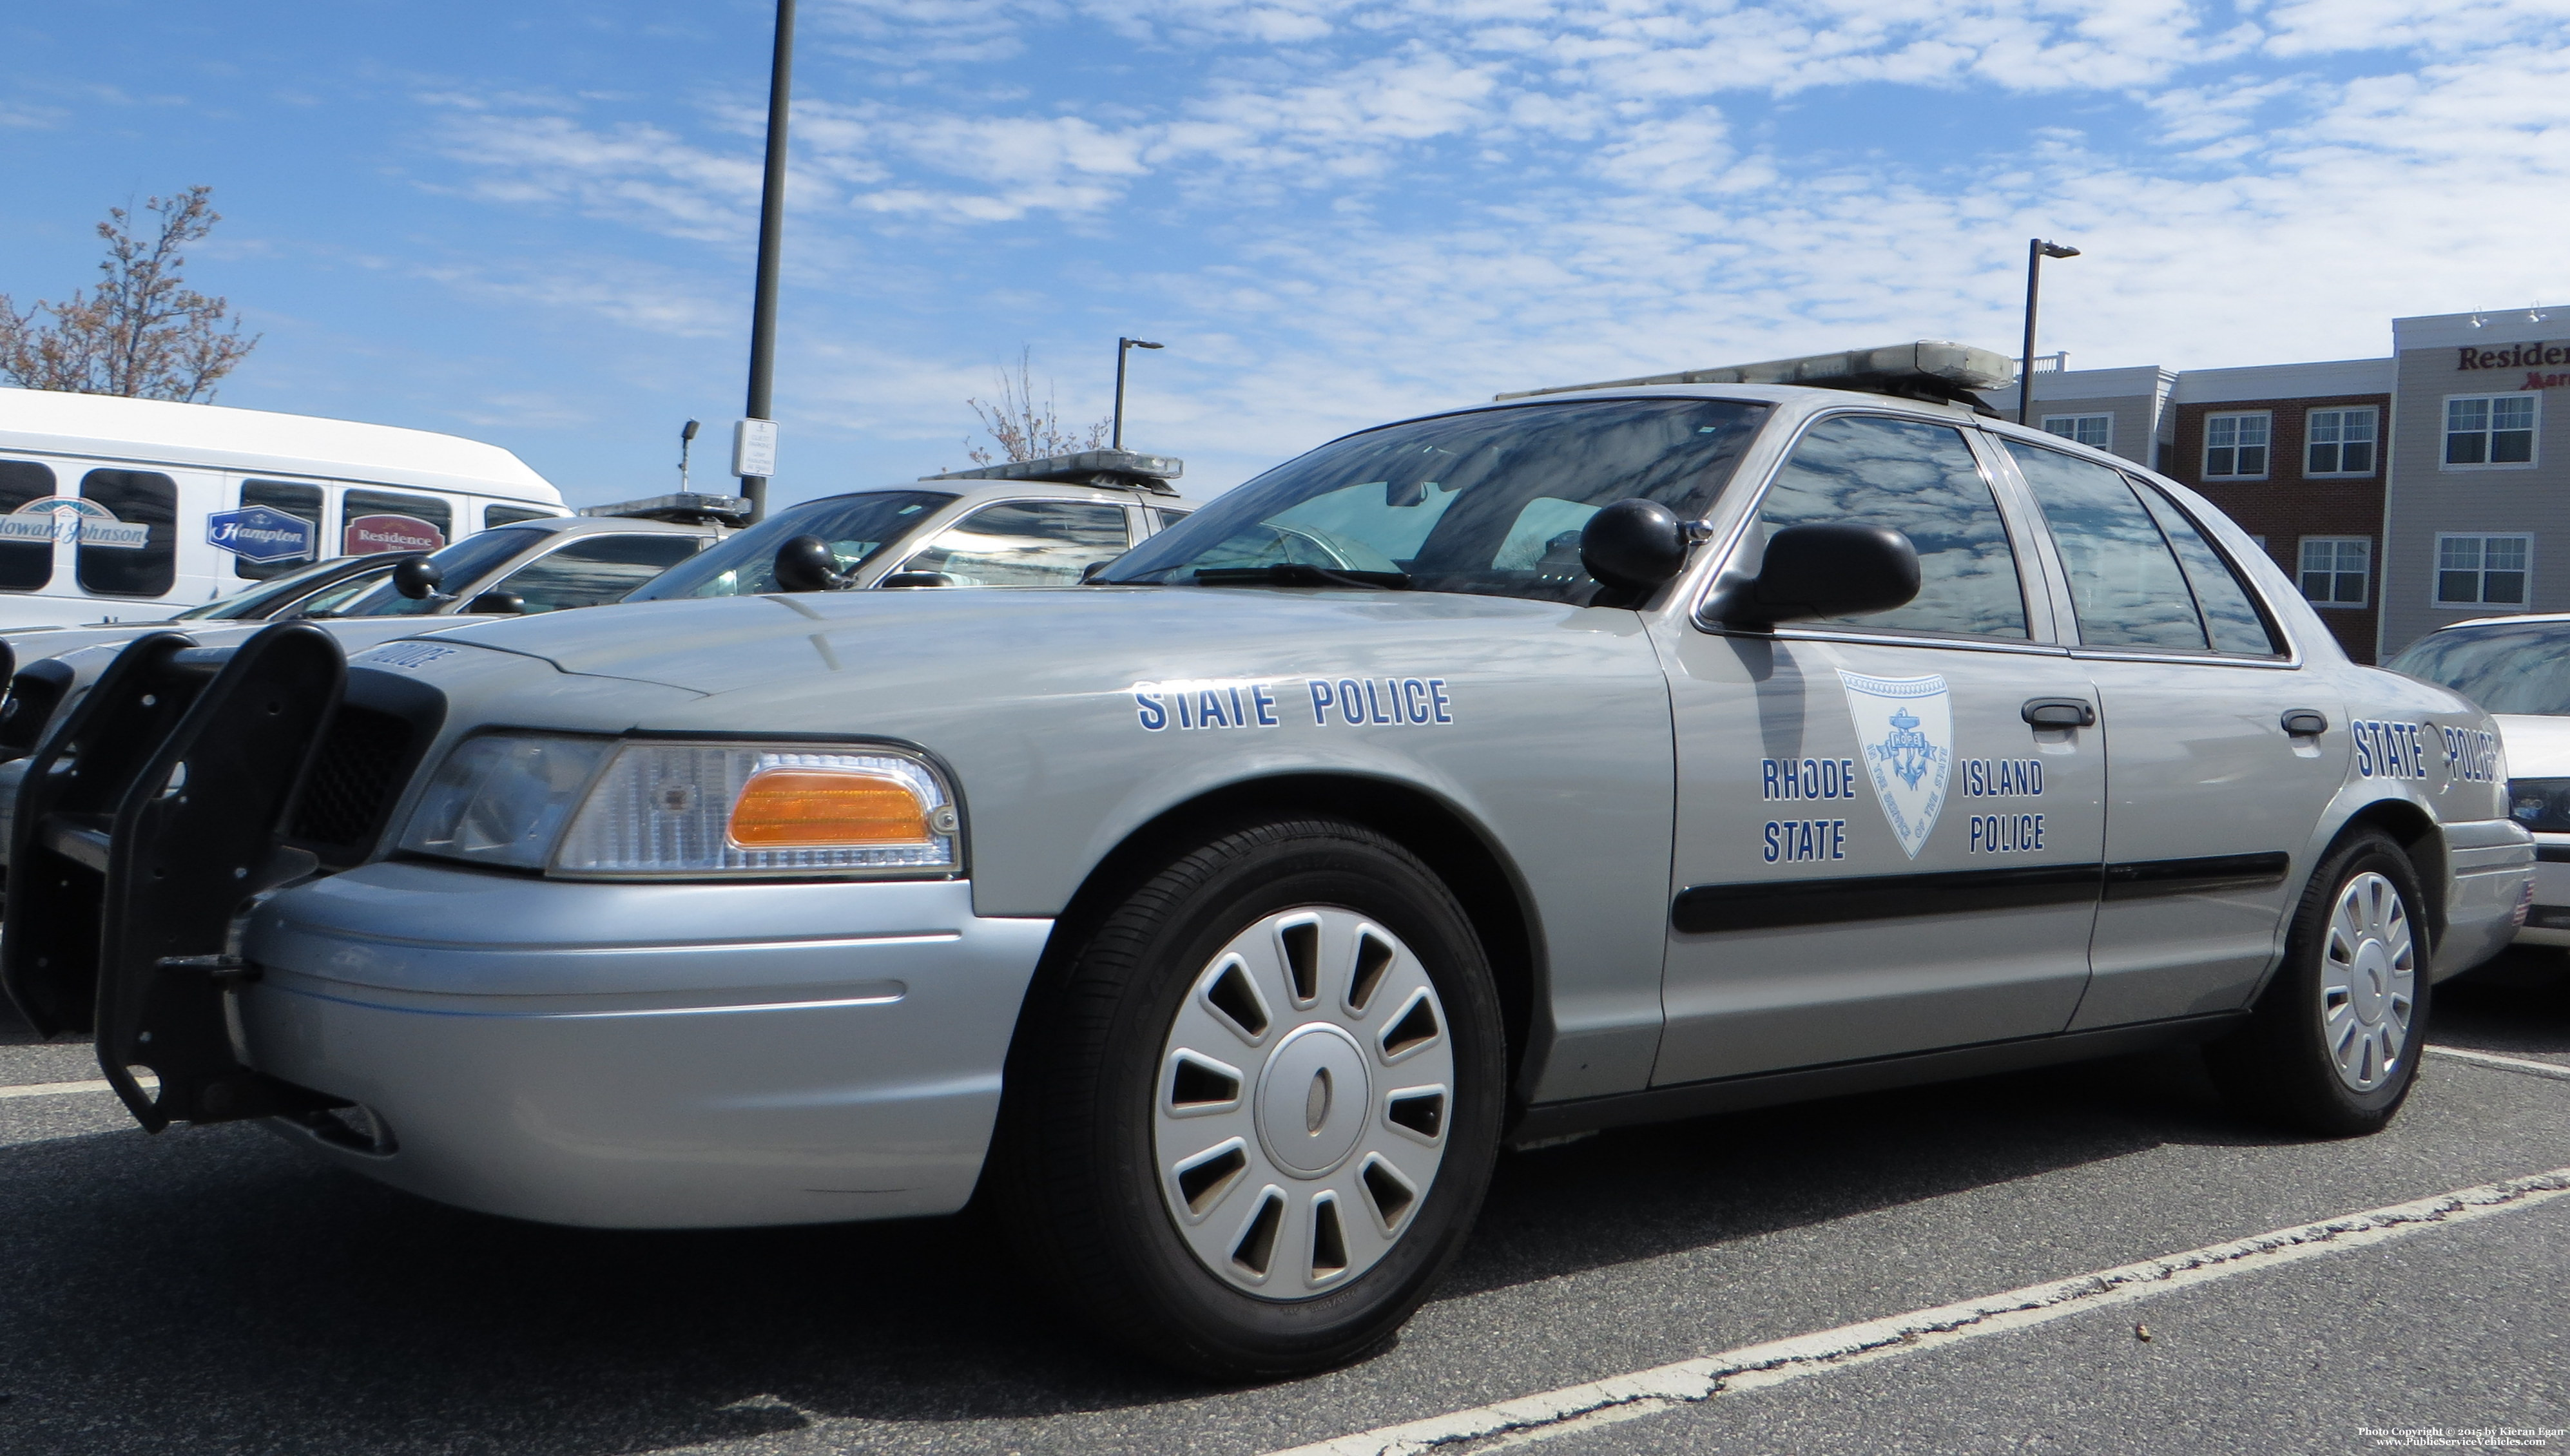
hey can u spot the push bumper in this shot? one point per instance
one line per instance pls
(646, 1055)
(2492, 862)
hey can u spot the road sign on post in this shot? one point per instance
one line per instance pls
(753, 448)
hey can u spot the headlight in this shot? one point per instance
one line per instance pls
(2542, 805)
(688, 810)
(501, 799)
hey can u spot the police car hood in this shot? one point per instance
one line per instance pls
(989, 641)
(2538, 745)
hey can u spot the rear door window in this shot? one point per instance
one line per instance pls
(382, 520)
(2125, 583)
(495, 517)
(132, 548)
(26, 562)
(2231, 614)
(598, 569)
(1920, 478)
(1026, 543)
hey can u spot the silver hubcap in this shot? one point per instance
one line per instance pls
(1303, 1095)
(2369, 982)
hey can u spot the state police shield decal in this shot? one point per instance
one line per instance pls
(1905, 730)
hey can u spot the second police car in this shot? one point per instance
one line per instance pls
(1650, 749)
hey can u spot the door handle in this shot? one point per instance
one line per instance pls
(2060, 713)
(2304, 723)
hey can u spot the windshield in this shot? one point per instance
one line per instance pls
(858, 527)
(1490, 503)
(463, 563)
(2516, 668)
(255, 603)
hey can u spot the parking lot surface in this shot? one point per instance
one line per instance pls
(211, 1291)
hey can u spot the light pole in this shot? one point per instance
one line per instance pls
(771, 237)
(1118, 440)
(2037, 251)
(686, 437)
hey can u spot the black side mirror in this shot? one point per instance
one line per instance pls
(917, 579)
(1830, 569)
(496, 601)
(418, 579)
(1634, 545)
(804, 563)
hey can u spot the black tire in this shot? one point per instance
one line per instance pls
(2281, 1067)
(1078, 1178)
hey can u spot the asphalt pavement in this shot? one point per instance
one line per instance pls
(211, 1291)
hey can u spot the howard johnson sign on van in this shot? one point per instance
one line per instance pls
(261, 535)
(71, 518)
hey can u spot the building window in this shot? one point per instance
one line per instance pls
(2097, 431)
(2339, 442)
(2482, 571)
(2235, 446)
(2335, 568)
(2489, 429)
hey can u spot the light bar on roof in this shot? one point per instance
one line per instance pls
(1950, 365)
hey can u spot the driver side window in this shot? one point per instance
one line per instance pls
(1921, 479)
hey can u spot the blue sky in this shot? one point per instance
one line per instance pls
(533, 222)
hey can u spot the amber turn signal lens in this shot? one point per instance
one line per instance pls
(817, 809)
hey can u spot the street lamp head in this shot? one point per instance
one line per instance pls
(687, 433)
(1136, 344)
(2057, 251)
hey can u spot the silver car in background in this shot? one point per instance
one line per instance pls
(2518, 668)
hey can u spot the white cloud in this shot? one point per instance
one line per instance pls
(1359, 209)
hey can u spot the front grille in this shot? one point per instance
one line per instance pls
(355, 777)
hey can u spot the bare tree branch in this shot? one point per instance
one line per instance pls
(145, 334)
(1022, 429)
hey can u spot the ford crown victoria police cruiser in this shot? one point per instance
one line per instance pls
(1632, 752)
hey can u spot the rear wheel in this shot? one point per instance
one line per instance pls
(1256, 1120)
(2333, 1046)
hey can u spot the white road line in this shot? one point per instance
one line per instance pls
(53, 1089)
(59, 1089)
(1623, 1397)
(2512, 1064)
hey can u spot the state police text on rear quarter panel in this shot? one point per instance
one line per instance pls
(1628, 752)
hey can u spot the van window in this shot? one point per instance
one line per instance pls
(111, 567)
(293, 500)
(495, 517)
(25, 565)
(380, 521)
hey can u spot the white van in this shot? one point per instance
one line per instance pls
(128, 510)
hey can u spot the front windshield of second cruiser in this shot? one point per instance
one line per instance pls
(2518, 667)
(857, 528)
(1488, 503)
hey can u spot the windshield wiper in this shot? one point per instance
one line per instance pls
(1298, 574)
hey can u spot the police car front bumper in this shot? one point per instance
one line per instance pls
(641, 1055)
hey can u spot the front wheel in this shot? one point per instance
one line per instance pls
(1255, 1121)
(2333, 1047)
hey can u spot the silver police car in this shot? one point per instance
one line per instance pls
(1632, 752)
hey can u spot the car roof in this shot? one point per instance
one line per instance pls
(2516, 619)
(976, 491)
(600, 524)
